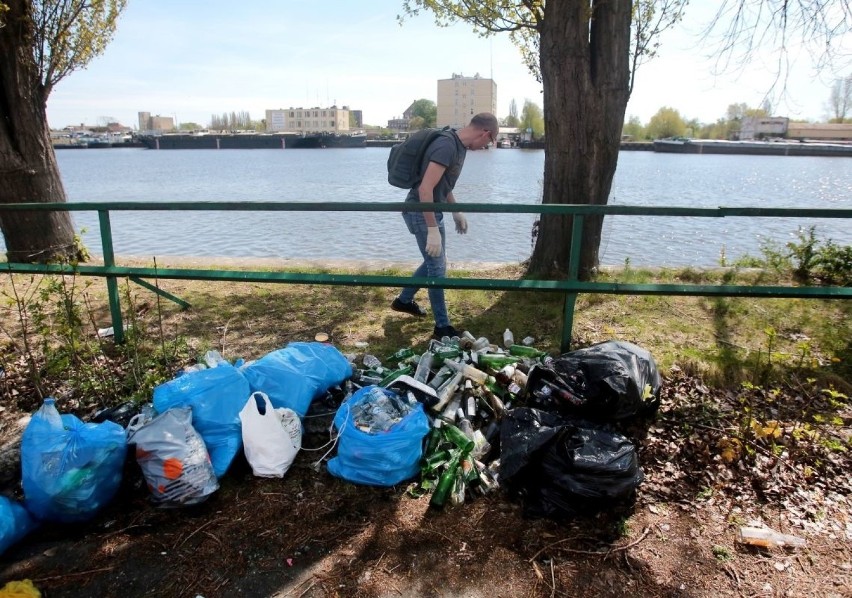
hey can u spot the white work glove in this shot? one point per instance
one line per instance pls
(433, 241)
(461, 223)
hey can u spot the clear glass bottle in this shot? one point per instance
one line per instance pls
(373, 363)
(468, 371)
(424, 367)
(508, 338)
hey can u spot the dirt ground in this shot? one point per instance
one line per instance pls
(313, 535)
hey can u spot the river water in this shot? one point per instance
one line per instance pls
(496, 176)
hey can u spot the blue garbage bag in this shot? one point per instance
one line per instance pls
(15, 523)
(215, 396)
(70, 469)
(294, 376)
(378, 453)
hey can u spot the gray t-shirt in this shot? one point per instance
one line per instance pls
(447, 151)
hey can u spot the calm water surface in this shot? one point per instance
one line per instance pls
(494, 176)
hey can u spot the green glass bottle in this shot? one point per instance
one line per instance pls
(432, 442)
(496, 361)
(391, 376)
(445, 483)
(457, 437)
(524, 351)
(401, 355)
(434, 461)
(447, 353)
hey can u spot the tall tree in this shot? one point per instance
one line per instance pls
(633, 128)
(667, 122)
(583, 53)
(532, 119)
(41, 42)
(427, 110)
(512, 120)
(840, 101)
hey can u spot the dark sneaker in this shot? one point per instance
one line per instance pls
(408, 308)
(442, 331)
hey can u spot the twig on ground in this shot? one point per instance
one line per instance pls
(730, 570)
(206, 533)
(307, 589)
(604, 553)
(553, 580)
(73, 574)
(124, 529)
(195, 532)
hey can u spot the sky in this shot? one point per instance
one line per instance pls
(192, 59)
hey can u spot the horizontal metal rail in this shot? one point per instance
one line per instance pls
(306, 206)
(571, 286)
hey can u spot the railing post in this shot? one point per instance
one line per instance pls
(111, 281)
(573, 274)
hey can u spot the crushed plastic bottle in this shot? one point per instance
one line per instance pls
(380, 411)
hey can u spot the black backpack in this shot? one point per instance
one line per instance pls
(405, 158)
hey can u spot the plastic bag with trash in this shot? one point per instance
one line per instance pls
(609, 381)
(380, 438)
(70, 469)
(216, 396)
(561, 467)
(271, 437)
(173, 458)
(15, 522)
(294, 376)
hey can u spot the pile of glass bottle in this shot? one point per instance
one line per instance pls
(475, 382)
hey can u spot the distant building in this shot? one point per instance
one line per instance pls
(757, 127)
(308, 120)
(823, 132)
(460, 97)
(399, 124)
(357, 116)
(117, 128)
(402, 124)
(777, 126)
(155, 124)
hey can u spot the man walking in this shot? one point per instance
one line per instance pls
(441, 167)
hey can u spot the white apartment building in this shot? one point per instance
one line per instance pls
(308, 120)
(461, 97)
(753, 127)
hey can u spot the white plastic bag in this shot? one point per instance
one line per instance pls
(271, 437)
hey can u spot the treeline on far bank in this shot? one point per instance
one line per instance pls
(668, 122)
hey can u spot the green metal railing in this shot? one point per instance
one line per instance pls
(571, 286)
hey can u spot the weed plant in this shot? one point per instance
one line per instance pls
(52, 333)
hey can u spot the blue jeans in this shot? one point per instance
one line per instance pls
(432, 267)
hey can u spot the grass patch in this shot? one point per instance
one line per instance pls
(725, 341)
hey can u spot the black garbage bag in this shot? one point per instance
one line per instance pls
(609, 381)
(561, 467)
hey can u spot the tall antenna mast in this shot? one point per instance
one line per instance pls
(491, 50)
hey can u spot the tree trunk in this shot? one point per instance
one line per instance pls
(585, 98)
(28, 170)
